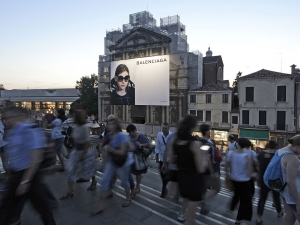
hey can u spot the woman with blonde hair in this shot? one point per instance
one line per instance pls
(82, 162)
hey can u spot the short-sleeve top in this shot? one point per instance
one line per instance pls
(239, 165)
(56, 130)
(22, 139)
(141, 139)
(117, 140)
(80, 134)
(264, 159)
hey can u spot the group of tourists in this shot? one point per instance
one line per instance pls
(189, 163)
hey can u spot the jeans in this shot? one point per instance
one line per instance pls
(110, 171)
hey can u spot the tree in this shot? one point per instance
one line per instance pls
(236, 81)
(88, 93)
(2, 87)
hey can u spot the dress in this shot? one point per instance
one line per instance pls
(190, 182)
(87, 168)
(143, 140)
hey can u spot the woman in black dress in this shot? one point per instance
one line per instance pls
(192, 163)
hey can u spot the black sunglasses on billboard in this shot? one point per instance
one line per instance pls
(126, 78)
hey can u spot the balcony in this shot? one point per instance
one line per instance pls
(280, 127)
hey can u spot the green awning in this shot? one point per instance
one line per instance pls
(254, 134)
(197, 128)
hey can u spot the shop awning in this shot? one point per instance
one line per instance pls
(254, 134)
(197, 128)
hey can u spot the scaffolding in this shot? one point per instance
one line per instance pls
(142, 18)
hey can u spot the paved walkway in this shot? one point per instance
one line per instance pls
(147, 208)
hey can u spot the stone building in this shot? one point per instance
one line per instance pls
(267, 106)
(141, 37)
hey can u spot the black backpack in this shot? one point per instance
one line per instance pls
(68, 142)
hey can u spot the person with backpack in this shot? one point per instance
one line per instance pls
(56, 135)
(290, 171)
(67, 128)
(240, 170)
(264, 159)
(210, 176)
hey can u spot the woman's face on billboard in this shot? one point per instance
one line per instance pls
(122, 80)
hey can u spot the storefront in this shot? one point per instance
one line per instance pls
(258, 137)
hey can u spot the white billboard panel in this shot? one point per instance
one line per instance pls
(141, 81)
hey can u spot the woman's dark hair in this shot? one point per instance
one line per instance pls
(80, 117)
(72, 111)
(61, 114)
(243, 142)
(130, 128)
(204, 128)
(116, 122)
(231, 137)
(185, 126)
(272, 144)
(120, 69)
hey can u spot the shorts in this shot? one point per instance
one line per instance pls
(58, 143)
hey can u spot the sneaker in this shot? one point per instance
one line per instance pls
(204, 211)
(181, 217)
(4, 188)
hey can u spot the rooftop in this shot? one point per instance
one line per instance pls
(267, 74)
(211, 59)
(211, 87)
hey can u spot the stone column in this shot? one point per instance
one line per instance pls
(162, 51)
(150, 52)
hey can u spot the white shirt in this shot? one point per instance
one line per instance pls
(56, 130)
(239, 165)
(160, 147)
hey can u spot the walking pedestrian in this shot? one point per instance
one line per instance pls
(240, 168)
(24, 151)
(160, 150)
(139, 141)
(82, 163)
(264, 159)
(56, 135)
(290, 168)
(118, 162)
(191, 163)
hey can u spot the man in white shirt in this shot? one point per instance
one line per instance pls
(160, 149)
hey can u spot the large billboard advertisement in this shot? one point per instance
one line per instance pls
(141, 81)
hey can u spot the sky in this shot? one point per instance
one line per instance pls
(52, 44)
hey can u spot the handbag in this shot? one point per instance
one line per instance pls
(147, 151)
(229, 183)
(118, 160)
(140, 162)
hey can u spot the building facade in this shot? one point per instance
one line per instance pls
(211, 104)
(46, 100)
(267, 107)
(143, 38)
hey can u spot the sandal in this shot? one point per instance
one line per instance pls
(137, 190)
(92, 186)
(97, 212)
(132, 195)
(126, 203)
(280, 214)
(258, 221)
(68, 195)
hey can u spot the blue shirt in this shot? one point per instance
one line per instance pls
(22, 139)
(117, 140)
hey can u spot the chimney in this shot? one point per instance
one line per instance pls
(293, 69)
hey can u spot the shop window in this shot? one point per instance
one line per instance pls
(208, 98)
(224, 117)
(249, 94)
(245, 117)
(281, 93)
(208, 116)
(225, 98)
(234, 119)
(192, 98)
(193, 112)
(262, 118)
(280, 125)
(200, 115)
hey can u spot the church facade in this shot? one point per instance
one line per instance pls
(143, 38)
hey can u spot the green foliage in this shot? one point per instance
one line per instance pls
(88, 93)
(2, 87)
(236, 81)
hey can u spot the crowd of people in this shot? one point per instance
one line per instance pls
(188, 163)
